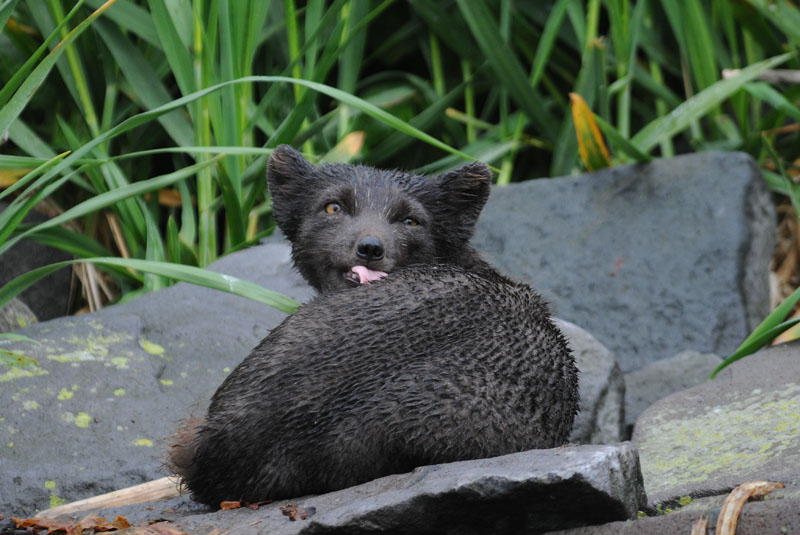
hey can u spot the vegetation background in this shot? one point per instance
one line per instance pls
(141, 128)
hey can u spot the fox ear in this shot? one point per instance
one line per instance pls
(287, 175)
(461, 195)
(285, 166)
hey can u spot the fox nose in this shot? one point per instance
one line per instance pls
(370, 248)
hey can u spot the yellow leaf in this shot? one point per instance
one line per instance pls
(9, 176)
(591, 146)
(347, 149)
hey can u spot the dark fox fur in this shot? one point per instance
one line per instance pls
(442, 360)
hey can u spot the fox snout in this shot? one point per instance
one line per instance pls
(370, 248)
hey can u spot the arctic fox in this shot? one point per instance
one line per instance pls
(416, 352)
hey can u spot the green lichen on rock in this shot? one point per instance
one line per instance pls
(65, 394)
(120, 362)
(119, 392)
(678, 448)
(151, 347)
(91, 348)
(24, 321)
(144, 442)
(55, 500)
(82, 420)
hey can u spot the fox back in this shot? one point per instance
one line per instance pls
(415, 353)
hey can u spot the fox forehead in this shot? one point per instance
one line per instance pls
(362, 177)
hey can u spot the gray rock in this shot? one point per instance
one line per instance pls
(778, 514)
(112, 385)
(742, 426)
(664, 377)
(15, 315)
(602, 389)
(528, 492)
(651, 259)
(49, 297)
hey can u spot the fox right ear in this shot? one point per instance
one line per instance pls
(287, 172)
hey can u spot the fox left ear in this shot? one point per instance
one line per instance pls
(288, 176)
(462, 193)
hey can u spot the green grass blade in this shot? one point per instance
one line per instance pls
(15, 360)
(154, 252)
(67, 240)
(190, 274)
(352, 57)
(396, 141)
(700, 104)
(699, 45)
(6, 8)
(768, 94)
(130, 16)
(146, 84)
(19, 338)
(761, 334)
(505, 64)
(173, 242)
(22, 96)
(783, 14)
(27, 140)
(776, 182)
(178, 56)
(22, 182)
(754, 343)
(110, 198)
(620, 142)
(547, 40)
(22, 72)
(188, 231)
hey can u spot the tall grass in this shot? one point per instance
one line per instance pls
(146, 125)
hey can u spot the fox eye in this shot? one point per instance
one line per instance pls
(410, 221)
(332, 208)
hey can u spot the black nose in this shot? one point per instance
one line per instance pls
(370, 248)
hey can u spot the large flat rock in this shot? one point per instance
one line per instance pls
(777, 514)
(651, 259)
(659, 379)
(742, 426)
(112, 385)
(529, 492)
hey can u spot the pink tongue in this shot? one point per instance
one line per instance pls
(366, 275)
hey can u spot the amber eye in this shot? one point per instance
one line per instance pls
(410, 221)
(332, 208)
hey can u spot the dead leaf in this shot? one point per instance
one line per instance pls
(50, 524)
(591, 146)
(700, 527)
(227, 506)
(297, 513)
(347, 149)
(164, 528)
(732, 507)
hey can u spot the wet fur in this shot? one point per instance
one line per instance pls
(443, 360)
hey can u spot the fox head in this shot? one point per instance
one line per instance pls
(351, 224)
